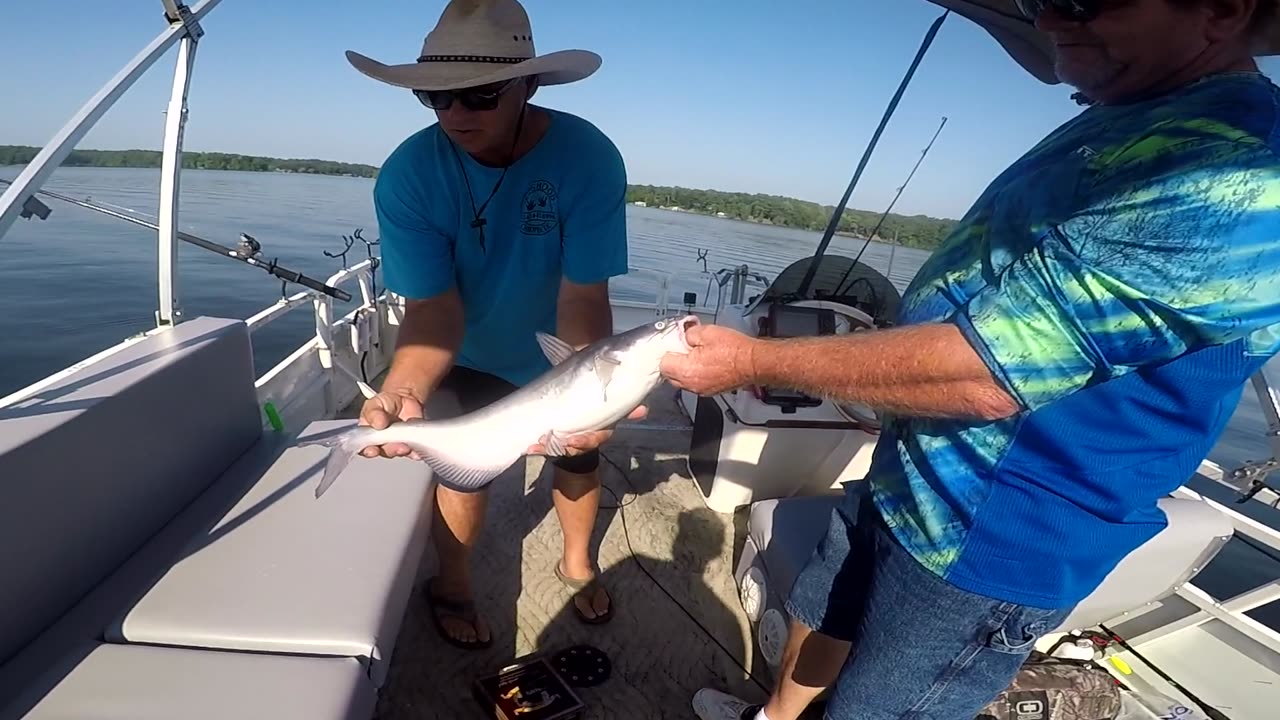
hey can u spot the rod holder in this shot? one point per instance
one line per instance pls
(33, 207)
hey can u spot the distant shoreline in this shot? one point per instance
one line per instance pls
(23, 154)
(718, 216)
(918, 231)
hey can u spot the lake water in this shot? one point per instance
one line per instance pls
(80, 281)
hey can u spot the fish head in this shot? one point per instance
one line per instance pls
(639, 351)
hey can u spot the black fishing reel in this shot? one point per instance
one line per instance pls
(1255, 474)
(248, 247)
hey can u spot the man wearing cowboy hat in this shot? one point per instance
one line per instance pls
(1065, 360)
(500, 220)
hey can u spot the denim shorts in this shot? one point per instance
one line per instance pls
(921, 647)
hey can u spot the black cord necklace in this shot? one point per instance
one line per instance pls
(478, 222)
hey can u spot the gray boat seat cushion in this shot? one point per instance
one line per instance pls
(786, 531)
(109, 599)
(94, 464)
(135, 682)
(285, 572)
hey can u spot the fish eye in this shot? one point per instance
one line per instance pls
(660, 324)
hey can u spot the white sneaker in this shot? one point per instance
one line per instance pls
(711, 704)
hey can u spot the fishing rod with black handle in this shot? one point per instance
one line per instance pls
(269, 266)
(1211, 711)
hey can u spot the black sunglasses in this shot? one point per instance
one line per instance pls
(480, 99)
(1074, 10)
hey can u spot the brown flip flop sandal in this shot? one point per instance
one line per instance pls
(461, 610)
(580, 587)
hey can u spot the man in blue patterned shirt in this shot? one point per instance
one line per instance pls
(1066, 358)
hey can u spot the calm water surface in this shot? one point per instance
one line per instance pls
(80, 282)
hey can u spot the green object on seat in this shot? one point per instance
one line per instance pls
(274, 417)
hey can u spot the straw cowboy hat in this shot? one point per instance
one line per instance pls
(476, 42)
(1031, 48)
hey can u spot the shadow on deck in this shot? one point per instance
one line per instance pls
(660, 654)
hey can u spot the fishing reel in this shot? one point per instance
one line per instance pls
(1255, 474)
(248, 247)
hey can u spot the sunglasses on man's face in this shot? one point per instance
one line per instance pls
(1073, 10)
(480, 98)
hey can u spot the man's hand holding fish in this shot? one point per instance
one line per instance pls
(719, 360)
(587, 441)
(927, 370)
(383, 409)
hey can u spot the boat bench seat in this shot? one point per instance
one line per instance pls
(783, 534)
(283, 571)
(142, 505)
(133, 682)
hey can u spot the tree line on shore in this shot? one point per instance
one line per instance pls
(23, 154)
(918, 231)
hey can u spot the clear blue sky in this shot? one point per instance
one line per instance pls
(746, 95)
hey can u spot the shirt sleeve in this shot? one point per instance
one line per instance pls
(417, 255)
(595, 221)
(1176, 250)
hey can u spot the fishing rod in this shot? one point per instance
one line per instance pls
(866, 155)
(880, 223)
(246, 252)
(885, 216)
(1211, 711)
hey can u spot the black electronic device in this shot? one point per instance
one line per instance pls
(790, 321)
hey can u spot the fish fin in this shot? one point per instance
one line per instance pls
(556, 444)
(605, 365)
(342, 447)
(463, 478)
(556, 350)
(333, 467)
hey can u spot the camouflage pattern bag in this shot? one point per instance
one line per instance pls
(1050, 688)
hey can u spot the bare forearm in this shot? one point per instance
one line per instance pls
(923, 371)
(429, 339)
(583, 316)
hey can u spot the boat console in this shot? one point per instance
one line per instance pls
(769, 442)
(789, 321)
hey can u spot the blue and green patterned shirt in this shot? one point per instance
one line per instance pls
(1122, 282)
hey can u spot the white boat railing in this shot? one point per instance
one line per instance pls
(1230, 611)
(737, 280)
(171, 161)
(362, 272)
(1270, 400)
(324, 357)
(263, 317)
(364, 333)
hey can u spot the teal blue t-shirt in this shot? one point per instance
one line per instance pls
(559, 213)
(1122, 281)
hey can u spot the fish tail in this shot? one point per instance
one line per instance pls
(342, 447)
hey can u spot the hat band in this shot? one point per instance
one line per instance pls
(473, 59)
